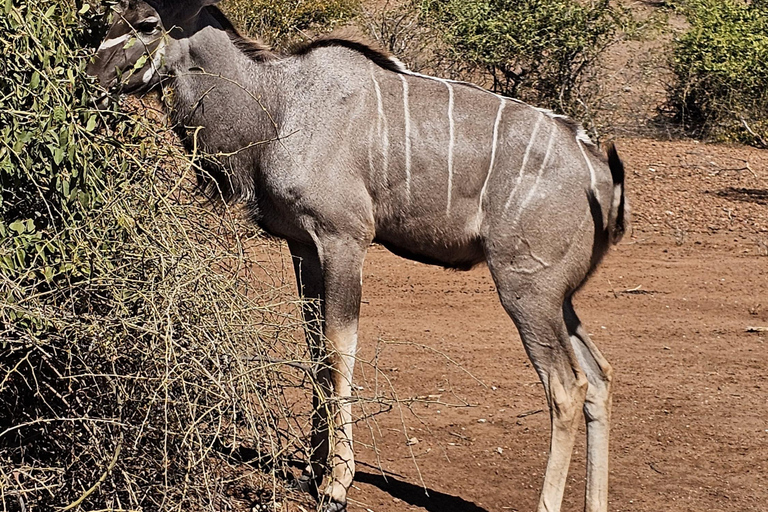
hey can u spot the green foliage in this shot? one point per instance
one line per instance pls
(135, 347)
(50, 171)
(536, 50)
(281, 21)
(721, 66)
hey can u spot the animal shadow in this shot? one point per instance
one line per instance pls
(417, 496)
(747, 195)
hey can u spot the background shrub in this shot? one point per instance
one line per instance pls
(721, 69)
(280, 22)
(540, 51)
(138, 355)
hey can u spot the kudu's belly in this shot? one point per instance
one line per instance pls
(433, 239)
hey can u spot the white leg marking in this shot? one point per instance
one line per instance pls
(451, 143)
(493, 157)
(544, 163)
(381, 124)
(109, 43)
(407, 114)
(525, 162)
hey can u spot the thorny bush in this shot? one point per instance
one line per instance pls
(721, 69)
(540, 51)
(139, 361)
(282, 22)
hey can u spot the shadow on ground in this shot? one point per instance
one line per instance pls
(749, 195)
(415, 495)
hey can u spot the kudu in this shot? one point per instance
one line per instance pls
(336, 145)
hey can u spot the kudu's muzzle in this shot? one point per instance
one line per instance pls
(128, 61)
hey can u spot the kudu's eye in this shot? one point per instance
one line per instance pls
(147, 26)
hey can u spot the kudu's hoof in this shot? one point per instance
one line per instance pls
(335, 506)
(306, 483)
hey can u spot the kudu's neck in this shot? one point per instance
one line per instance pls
(213, 83)
(224, 103)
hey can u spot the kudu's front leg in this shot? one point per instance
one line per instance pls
(340, 262)
(309, 279)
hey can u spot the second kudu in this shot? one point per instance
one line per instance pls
(336, 145)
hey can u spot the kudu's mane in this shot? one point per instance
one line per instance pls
(260, 52)
(256, 50)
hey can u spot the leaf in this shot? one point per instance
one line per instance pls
(59, 113)
(140, 63)
(35, 80)
(89, 127)
(58, 155)
(18, 226)
(132, 41)
(84, 9)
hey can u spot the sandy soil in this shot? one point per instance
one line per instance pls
(669, 307)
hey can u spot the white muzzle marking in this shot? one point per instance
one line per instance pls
(109, 43)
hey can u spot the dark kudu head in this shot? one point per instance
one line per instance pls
(131, 59)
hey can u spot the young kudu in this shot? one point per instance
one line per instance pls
(336, 145)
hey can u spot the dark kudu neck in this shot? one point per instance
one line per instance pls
(215, 81)
(225, 103)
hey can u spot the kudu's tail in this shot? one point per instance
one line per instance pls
(618, 216)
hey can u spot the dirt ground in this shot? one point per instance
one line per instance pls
(669, 307)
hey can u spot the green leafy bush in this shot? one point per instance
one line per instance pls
(137, 351)
(540, 51)
(281, 22)
(721, 68)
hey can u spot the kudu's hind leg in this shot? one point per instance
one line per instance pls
(597, 409)
(539, 318)
(309, 278)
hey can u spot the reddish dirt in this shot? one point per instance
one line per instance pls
(669, 307)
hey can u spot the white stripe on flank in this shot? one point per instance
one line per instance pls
(407, 114)
(541, 172)
(525, 161)
(592, 180)
(370, 154)
(493, 154)
(451, 143)
(109, 43)
(381, 124)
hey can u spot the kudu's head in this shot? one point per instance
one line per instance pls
(131, 59)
